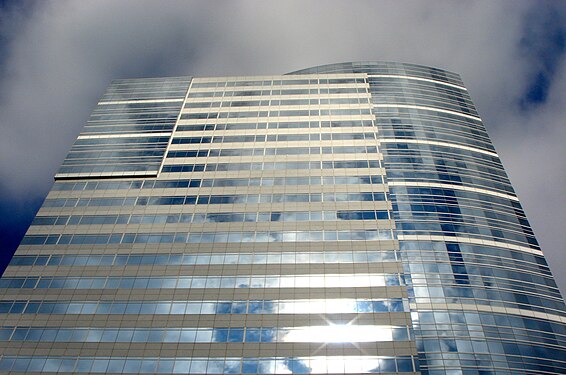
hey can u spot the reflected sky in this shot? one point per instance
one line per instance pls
(199, 282)
(320, 334)
(184, 365)
(314, 306)
(272, 257)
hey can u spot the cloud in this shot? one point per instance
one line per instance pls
(543, 44)
(58, 56)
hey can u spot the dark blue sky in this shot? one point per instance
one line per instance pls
(543, 44)
(57, 57)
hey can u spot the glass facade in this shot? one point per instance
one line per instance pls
(474, 271)
(129, 130)
(344, 219)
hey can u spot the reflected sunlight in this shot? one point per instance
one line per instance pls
(339, 333)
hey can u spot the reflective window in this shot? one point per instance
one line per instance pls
(180, 365)
(325, 334)
(198, 282)
(271, 257)
(306, 306)
(208, 237)
(218, 182)
(215, 199)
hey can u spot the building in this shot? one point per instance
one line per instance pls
(346, 219)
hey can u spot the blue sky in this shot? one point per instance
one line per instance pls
(57, 57)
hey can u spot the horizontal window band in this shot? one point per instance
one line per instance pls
(218, 217)
(129, 135)
(172, 100)
(325, 334)
(276, 85)
(206, 282)
(117, 165)
(208, 237)
(468, 231)
(437, 143)
(140, 109)
(392, 119)
(468, 228)
(479, 255)
(269, 151)
(126, 129)
(109, 156)
(432, 130)
(476, 241)
(273, 112)
(457, 177)
(360, 89)
(441, 206)
(362, 94)
(288, 104)
(267, 166)
(453, 187)
(218, 182)
(433, 97)
(215, 199)
(77, 164)
(274, 138)
(426, 109)
(103, 175)
(228, 365)
(275, 122)
(138, 114)
(186, 127)
(531, 329)
(341, 79)
(416, 79)
(125, 307)
(466, 307)
(463, 286)
(179, 259)
(132, 118)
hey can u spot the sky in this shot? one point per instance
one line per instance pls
(57, 57)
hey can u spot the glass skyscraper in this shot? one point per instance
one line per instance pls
(344, 219)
